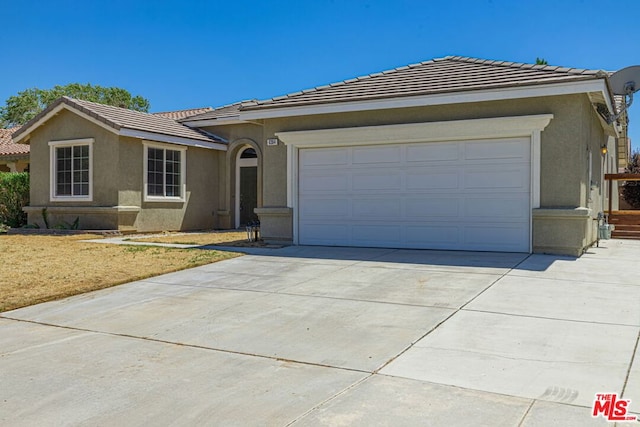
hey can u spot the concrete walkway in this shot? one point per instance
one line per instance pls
(308, 336)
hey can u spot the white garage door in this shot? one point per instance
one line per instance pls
(468, 195)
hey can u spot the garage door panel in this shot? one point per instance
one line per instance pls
(378, 181)
(509, 237)
(497, 209)
(470, 195)
(323, 208)
(323, 183)
(431, 180)
(496, 150)
(327, 234)
(377, 235)
(434, 152)
(376, 155)
(326, 157)
(495, 179)
(435, 236)
(377, 208)
(432, 207)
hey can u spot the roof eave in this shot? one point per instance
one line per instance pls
(54, 109)
(64, 103)
(170, 139)
(218, 122)
(586, 85)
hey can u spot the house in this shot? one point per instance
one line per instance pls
(13, 157)
(451, 153)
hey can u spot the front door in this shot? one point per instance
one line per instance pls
(248, 194)
(246, 187)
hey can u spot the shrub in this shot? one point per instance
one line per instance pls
(14, 195)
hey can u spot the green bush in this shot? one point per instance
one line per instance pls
(14, 195)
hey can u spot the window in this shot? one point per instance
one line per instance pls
(71, 169)
(164, 173)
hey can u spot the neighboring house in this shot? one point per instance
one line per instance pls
(453, 153)
(13, 157)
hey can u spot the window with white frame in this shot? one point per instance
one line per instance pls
(164, 172)
(71, 169)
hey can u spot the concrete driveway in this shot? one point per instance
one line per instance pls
(309, 336)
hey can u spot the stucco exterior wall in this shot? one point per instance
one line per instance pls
(239, 137)
(68, 126)
(198, 212)
(574, 130)
(118, 183)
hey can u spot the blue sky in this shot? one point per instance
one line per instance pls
(186, 54)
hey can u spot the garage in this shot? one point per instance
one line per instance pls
(456, 185)
(467, 195)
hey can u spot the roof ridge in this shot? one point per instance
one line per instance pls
(523, 65)
(179, 111)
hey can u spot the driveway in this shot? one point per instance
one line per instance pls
(309, 336)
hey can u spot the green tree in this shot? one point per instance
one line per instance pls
(631, 189)
(24, 106)
(541, 61)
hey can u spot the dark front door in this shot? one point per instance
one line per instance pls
(248, 194)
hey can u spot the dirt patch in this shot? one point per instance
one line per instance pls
(43, 268)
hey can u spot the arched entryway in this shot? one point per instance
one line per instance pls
(246, 186)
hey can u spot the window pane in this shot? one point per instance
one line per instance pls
(155, 171)
(72, 171)
(63, 171)
(173, 173)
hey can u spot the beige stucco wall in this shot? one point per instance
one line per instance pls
(565, 143)
(239, 137)
(118, 183)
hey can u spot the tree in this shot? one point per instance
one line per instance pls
(631, 189)
(24, 106)
(541, 61)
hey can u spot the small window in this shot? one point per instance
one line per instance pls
(164, 173)
(71, 170)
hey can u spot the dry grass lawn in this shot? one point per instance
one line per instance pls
(43, 268)
(226, 238)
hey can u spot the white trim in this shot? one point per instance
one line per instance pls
(241, 163)
(456, 130)
(52, 169)
(437, 99)
(497, 127)
(171, 139)
(183, 172)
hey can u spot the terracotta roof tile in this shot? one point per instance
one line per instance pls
(442, 75)
(8, 147)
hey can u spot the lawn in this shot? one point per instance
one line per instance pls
(208, 238)
(43, 268)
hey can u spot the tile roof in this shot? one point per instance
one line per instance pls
(183, 114)
(224, 112)
(441, 75)
(8, 147)
(122, 118)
